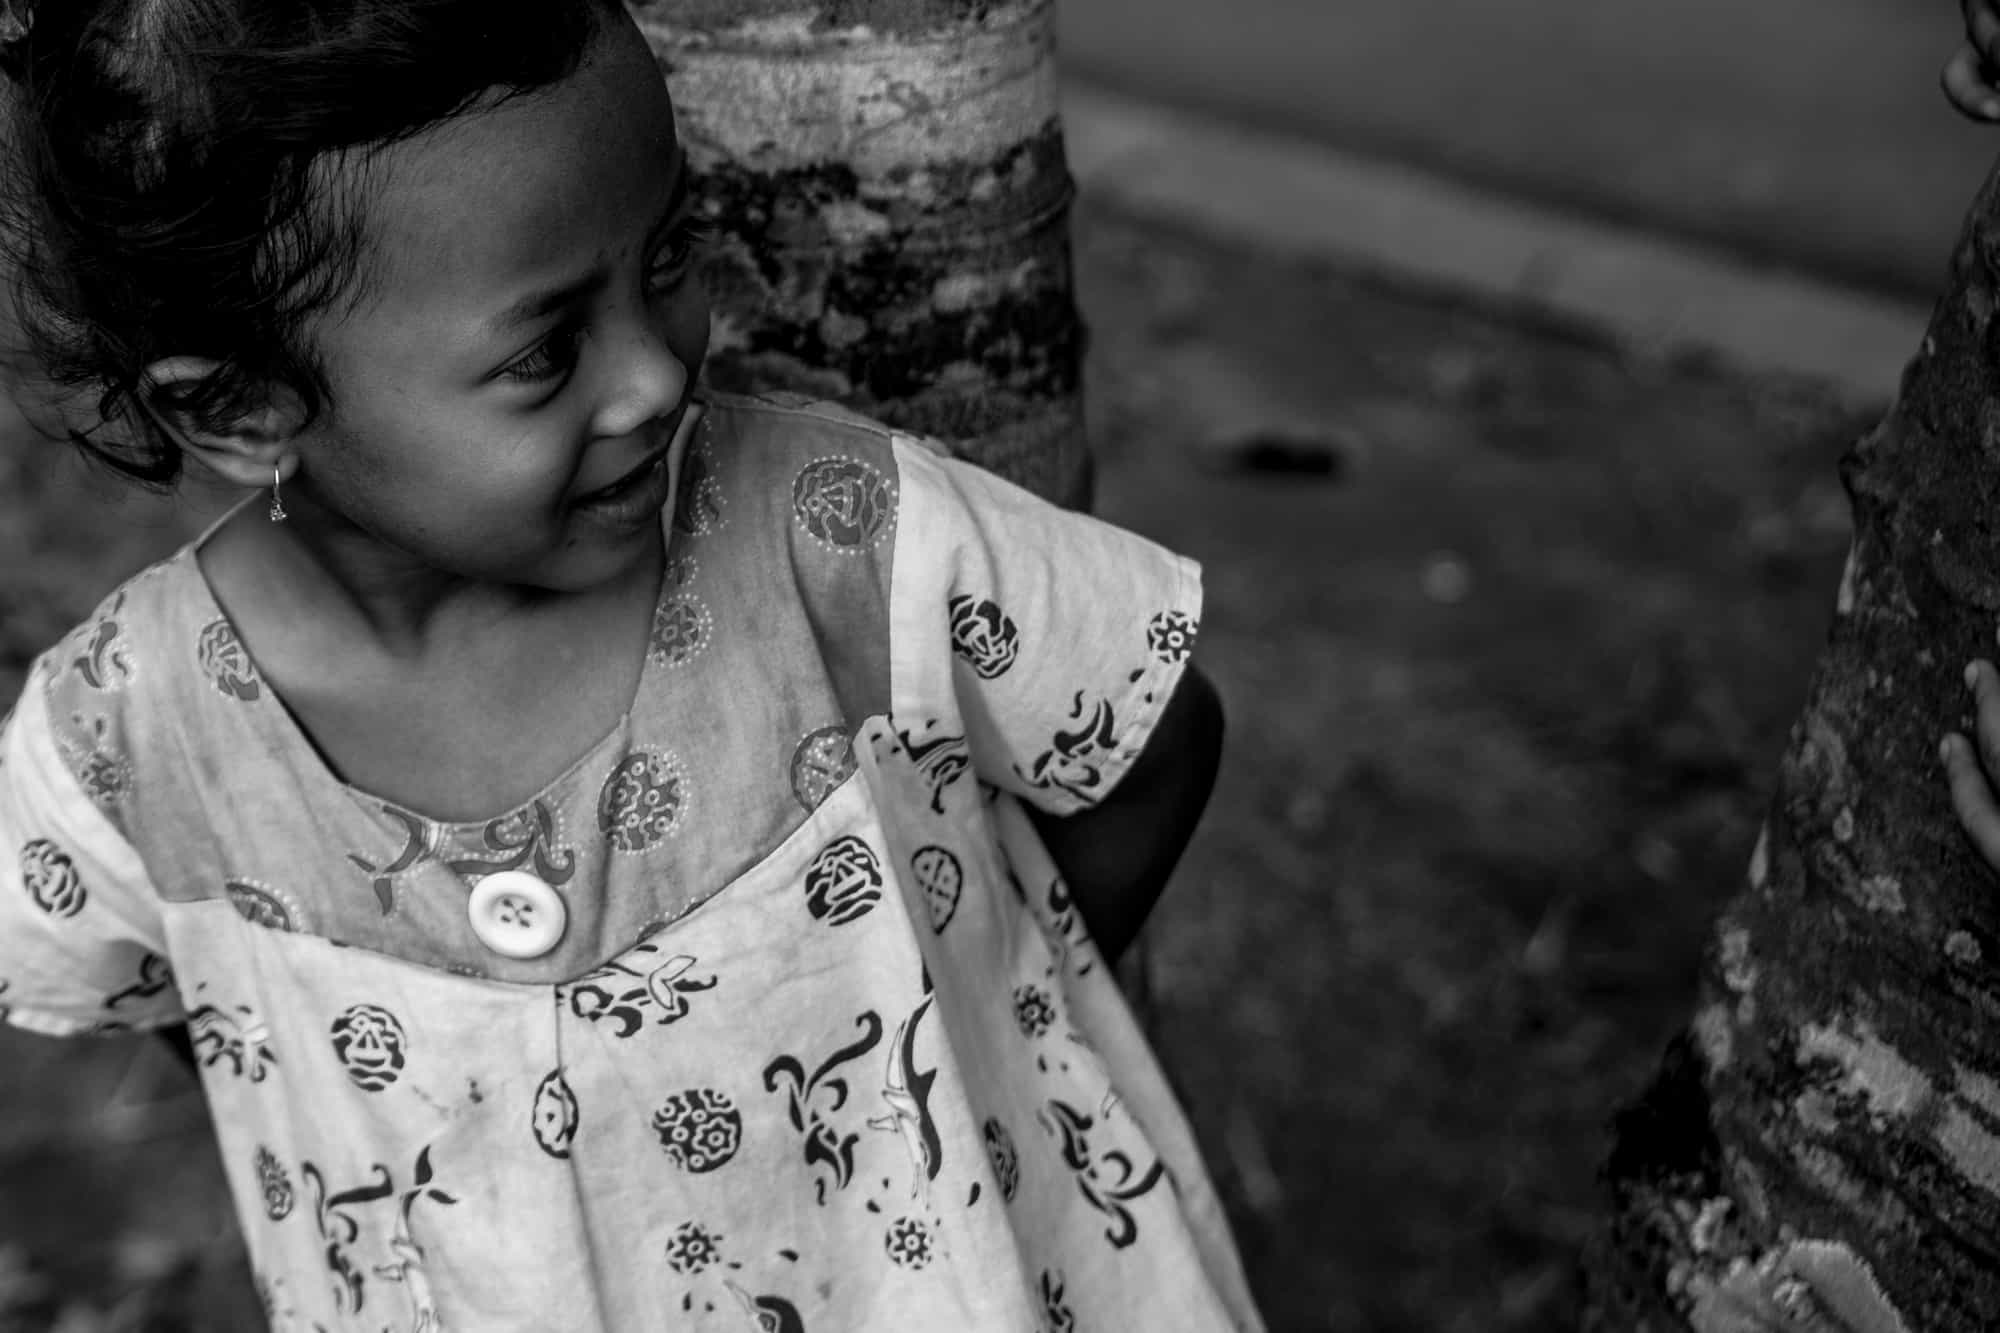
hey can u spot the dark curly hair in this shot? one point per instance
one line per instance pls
(189, 179)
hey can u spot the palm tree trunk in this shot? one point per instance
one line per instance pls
(889, 182)
(1822, 1150)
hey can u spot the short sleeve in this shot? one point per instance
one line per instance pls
(1065, 635)
(81, 946)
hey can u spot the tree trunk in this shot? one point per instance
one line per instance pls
(889, 183)
(1822, 1150)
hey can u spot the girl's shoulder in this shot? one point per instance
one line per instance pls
(768, 438)
(107, 683)
(834, 479)
(785, 416)
(799, 488)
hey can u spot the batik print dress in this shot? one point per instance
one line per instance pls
(770, 1013)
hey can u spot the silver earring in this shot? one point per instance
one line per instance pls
(278, 514)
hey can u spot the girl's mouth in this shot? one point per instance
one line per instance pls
(645, 490)
(635, 498)
(628, 483)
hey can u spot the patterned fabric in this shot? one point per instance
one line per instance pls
(825, 1045)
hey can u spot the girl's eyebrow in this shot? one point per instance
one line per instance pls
(536, 306)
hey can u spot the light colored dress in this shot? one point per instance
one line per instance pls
(770, 1013)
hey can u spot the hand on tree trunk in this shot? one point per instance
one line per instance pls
(1970, 75)
(1973, 768)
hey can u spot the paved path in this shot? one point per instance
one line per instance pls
(1658, 297)
(1807, 132)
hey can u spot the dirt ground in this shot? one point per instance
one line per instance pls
(1510, 629)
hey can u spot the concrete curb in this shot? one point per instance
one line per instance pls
(1658, 296)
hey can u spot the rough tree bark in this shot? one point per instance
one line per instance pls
(1822, 1150)
(889, 182)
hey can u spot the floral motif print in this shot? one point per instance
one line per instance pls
(812, 1100)
(527, 837)
(624, 990)
(96, 763)
(941, 759)
(261, 906)
(820, 763)
(103, 663)
(240, 1038)
(906, 1091)
(682, 625)
(1057, 1317)
(941, 877)
(275, 1185)
(693, 1249)
(409, 1266)
(643, 801)
(370, 1045)
(1068, 936)
(768, 1313)
(908, 1242)
(554, 1115)
(844, 882)
(701, 1129)
(698, 507)
(1073, 763)
(1109, 1180)
(1034, 1011)
(1005, 1159)
(52, 879)
(983, 637)
(226, 662)
(154, 977)
(339, 1228)
(1171, 636)
(843, 503)
(422, 841)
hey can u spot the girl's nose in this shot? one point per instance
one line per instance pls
(646, 380)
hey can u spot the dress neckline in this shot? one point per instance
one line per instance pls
(277, 718)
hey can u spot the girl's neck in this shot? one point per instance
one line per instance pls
(455, 698)
(337, 584)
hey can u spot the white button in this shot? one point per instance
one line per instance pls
(516, 915)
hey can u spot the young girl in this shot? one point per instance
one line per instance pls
(625, 858)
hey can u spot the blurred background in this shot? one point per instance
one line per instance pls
(1805, 134)
(1512, 599)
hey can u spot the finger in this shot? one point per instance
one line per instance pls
(1972, 797)
(1964, 82)
(1982, 27)
(1984, 682)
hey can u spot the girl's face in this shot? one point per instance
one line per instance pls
(503, 396)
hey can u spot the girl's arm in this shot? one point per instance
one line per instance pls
(1117, 855)
(177, 1041)
(1969, 75)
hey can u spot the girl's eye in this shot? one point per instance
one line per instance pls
(556, 355)
(552, 357)
(684, 246)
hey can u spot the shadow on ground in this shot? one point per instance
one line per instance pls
(1510, 629)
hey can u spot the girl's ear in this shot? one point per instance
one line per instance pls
(246, 449)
